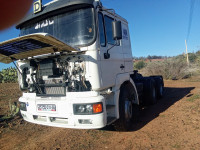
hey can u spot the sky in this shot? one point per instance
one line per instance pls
(157, 27)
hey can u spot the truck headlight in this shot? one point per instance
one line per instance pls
(88, 109)
(23, 106)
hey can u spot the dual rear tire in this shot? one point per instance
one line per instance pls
(153, 90)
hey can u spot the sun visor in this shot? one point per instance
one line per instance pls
(31, 45)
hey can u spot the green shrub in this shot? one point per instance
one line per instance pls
(1, 77)
(8, 75)
(139, 65)
(192, 57)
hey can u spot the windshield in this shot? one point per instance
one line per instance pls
(76, 28)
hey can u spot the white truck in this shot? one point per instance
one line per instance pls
(75, 67)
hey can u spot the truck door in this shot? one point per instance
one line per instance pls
(115, 64)
(126, 45)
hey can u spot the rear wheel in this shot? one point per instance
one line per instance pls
(159, 87)
(128, 111)
(150, 92)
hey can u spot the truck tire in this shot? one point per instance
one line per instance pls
(150, 92)
(159, 88)
(128, 112)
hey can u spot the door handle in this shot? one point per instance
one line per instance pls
(122, 66)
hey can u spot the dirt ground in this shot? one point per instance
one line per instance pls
(173, 123)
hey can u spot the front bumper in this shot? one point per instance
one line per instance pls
(64, 115)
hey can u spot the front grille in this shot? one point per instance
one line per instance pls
(55, 90)
(53, 87)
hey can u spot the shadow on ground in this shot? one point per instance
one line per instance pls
(147, 114)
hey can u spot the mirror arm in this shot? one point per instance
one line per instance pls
(108, 11)
(107, 55)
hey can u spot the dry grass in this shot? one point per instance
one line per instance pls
(173, 68)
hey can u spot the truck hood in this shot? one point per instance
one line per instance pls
(31, 45)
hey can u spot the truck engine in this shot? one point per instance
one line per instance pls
(53, 75)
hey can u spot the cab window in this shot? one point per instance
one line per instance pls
(101, 30)
(109, 32)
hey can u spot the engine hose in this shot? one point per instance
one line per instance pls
(83, 82)
(35, 84)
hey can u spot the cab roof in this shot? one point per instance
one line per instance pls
(52, 8)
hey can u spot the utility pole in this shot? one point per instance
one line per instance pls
(187, 53)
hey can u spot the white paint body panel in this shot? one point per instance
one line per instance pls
(64, 109)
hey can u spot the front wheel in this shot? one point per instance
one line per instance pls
(128, 111)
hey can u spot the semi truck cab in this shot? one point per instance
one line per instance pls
(75, 67)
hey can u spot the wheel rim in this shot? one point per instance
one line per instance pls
(128, 110)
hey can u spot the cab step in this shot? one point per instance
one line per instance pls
(110, 120)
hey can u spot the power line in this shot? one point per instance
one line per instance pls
(192, 2)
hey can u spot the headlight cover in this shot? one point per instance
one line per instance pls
(88, 109)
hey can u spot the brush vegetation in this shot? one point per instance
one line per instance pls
(173, 68)
(8, 75)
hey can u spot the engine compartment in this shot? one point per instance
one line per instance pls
(53, 75)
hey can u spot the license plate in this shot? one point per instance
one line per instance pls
(46, 107)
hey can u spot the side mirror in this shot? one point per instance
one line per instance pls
(117, 30)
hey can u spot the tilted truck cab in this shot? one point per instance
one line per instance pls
(75, 67)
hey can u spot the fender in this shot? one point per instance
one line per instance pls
(137, 100)
(120, 79)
